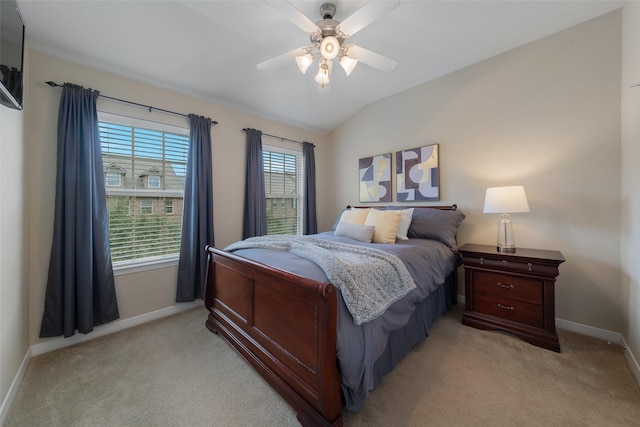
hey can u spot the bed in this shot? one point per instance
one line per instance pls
(280, 311)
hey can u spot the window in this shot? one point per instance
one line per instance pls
(168, 206)
(113, 179)
(145, 218)
(283, 187)
(146, 206)
(153, 181)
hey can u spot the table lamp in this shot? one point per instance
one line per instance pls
(505, 200)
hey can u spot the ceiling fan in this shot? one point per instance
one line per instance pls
(328, 39)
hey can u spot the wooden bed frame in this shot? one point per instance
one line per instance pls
(285, 326)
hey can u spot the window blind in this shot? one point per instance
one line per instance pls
(145, 209)
(283, 187)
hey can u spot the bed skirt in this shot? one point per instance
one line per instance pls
(402, 341)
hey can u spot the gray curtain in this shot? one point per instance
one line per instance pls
(309, 220)
(255, 204)
(197, 212)
(80, 286)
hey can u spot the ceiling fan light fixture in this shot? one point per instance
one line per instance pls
(328, 36)
(322, 78)
(304, 61)
(348, 64)
(329, 47)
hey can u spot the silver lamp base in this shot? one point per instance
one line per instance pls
(506, 238)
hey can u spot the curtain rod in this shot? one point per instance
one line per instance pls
(54, 84)
(279, 137)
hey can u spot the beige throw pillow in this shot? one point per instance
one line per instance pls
(386, 225)
(354, 215)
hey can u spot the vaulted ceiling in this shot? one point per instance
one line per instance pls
(209, 49)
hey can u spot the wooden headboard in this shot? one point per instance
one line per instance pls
(452, 207)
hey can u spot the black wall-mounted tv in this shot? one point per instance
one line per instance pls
(11, 54)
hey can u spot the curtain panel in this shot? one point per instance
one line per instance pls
(309, 220)
(197, 214)
(255, 204)
(80, 286)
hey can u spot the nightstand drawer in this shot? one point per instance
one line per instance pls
(504, 263)
(505, 286)
(516, 311)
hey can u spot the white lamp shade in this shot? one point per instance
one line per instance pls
(348, 64)
(510, 199)
(329, 47)
(304, 61)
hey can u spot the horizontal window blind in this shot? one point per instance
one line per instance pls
(283, 186)
(145, 209)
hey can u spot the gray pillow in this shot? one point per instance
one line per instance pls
(360, 232)
(436, 224)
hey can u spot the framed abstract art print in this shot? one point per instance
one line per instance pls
(418, 174)
(375, 178)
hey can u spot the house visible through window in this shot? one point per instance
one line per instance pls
(145, 168)
(283, 188)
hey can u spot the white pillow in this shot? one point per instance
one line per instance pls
(386, 225)
(354, 215)
(405, 223)
(360, 232)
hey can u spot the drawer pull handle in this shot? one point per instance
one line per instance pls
(530, 266)
(505, 286)
(481, 261)
(504, 261)
(505, 307)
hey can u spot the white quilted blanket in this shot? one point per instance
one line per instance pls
(369, 279)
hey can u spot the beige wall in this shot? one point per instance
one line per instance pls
(631, 173)
(545, 115)
(141, 292)
(13, 290)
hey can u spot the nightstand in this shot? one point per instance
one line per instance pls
(512, 292)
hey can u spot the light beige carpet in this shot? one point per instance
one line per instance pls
(174, 372)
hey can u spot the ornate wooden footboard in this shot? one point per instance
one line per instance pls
(284, 325)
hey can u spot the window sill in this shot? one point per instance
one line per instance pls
(146, 265)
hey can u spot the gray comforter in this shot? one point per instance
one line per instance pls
(369, 279)
(360, 346)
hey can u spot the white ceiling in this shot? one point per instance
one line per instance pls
(210, 49)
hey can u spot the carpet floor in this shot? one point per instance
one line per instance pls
(174, 372)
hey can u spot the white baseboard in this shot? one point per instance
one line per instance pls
(631, 361)
(13, 389)
(99, 331)
(591, 331)
(109, 328)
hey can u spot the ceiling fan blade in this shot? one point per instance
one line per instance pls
(371, 58)
(294, 15)
(365, 16)
(281, 59)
